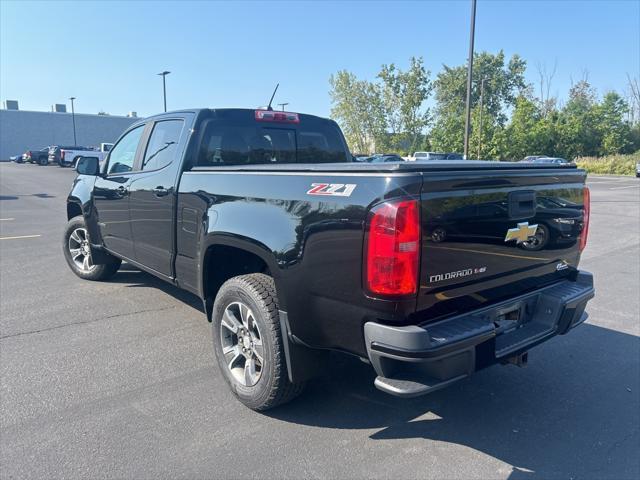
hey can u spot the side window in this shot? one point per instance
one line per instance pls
(163, 144)
(123, 153)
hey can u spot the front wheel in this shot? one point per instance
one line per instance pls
(43, 161)
(77, 253)
(248, 343)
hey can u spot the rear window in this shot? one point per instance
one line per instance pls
(250, 143)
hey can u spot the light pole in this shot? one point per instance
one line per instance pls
(467, 125)
(481, 108)
(164, 87)
(283, 105)
(73, 119)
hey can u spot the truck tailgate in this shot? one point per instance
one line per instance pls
(491, 234)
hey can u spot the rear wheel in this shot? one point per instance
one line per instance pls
(42, 161)
(438, 235)
(248, 343)
(539, 240)
(77, 253)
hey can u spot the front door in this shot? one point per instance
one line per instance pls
(111, 194)
(152, 196)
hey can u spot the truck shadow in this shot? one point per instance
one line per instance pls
(573, 412)
(136, 278)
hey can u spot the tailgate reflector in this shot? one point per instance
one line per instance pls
(586, 213)
(393, 248)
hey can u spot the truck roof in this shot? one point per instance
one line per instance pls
(213, 111)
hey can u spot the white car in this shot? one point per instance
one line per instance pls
(420, 156)
(637, 170)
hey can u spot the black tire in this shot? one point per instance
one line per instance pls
(86, 271)
(257, 292)
(438, 235)
(539, 241)
(43, 161)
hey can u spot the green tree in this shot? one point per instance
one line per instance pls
(530, 131)
(614, 130)
(504, 83)
(403, 97)
(576, 125)
(357, 106)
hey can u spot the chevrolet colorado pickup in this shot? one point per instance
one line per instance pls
(427, 271)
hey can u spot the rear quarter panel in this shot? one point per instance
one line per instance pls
(312, 244)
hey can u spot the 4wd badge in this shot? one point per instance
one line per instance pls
(334, 189)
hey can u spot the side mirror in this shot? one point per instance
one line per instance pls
(88, 166)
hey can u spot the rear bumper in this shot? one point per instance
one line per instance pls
(418, 359)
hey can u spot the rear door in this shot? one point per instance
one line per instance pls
(152, 196)
(490, 234)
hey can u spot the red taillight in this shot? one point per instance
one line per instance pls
(393, 248)
(586, 213)
(61, 154)
(271, 116)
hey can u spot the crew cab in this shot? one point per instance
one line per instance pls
(295, 250)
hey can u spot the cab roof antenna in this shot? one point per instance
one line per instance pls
(274, 94)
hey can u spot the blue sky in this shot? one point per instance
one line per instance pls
(224, 54)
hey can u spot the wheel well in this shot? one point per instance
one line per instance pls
(223, 262)
(73, 210)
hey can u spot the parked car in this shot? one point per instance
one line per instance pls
(531, 158)
(557, 223)
(68, 156)
(295, 250)
(423, 156)
(551, 160)
(36, 156)
(386, 158)
(55, 152)
(16, 158)
(637, 170)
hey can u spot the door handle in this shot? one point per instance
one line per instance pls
(160, 191)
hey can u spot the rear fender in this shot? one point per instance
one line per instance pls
(237, 242)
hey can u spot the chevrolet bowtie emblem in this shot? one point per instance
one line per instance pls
(521, 233)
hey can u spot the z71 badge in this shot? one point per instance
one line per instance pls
(334, 189)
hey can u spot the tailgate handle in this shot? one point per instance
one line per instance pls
(522, 204)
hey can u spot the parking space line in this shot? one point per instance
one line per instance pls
(6, 219)
(20, 236)
(626, 186)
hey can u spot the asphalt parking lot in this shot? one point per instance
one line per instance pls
(117, 379)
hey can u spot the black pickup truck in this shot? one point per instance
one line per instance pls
(427, 271)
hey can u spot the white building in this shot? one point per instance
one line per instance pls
(21, 130)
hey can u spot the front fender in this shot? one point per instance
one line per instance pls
(80, 199)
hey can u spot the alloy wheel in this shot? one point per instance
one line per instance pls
(242, 344)
(80, 250)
